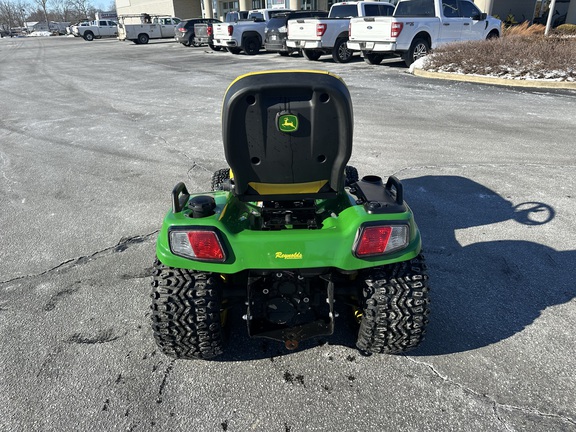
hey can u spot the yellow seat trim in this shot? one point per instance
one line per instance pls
(287, 188)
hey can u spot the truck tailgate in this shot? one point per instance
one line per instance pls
(220, 30)
(373, 29)
(303, 29)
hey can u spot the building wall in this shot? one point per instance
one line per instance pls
(159, 7)
(187, 8)
(522, 10)
(571, 15)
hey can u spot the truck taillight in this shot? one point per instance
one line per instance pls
(320, 29)
(209, 31)
(380, 240)
(230, 30)
(396, 29)
(202, 245)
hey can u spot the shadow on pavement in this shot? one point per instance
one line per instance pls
(488, 291)
(481, 294)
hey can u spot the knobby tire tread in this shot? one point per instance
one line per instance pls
(395, 307)
(186, 307)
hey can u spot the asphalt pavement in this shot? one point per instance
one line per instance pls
(93, 137)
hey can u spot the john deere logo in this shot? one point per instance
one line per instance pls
(288, 123)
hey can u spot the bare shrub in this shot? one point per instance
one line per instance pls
(524, 29)
(518, 57)
(567, 29)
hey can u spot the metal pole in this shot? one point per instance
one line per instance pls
(550, 16)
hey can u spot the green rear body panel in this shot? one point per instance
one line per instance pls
(329, 246)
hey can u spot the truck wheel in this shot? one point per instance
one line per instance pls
(340, 52)
(214, 47)
(394, 307)
(234, 50)
(89, 36)
(418, 48)
(311, 54)
(218, 177)
(252, 45)
(493, 35)
(373, 59)
(143, 38)
(186, 315)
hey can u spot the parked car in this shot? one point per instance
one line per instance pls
(276, 31)
(185, 30)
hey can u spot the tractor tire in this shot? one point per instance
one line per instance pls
(418, 48)
(340, 52)
(311, 54)
(143, 38)
(218, 178)
(89, 36)
(351, 175)
(373, 59)
(186, 312)
(394, 307)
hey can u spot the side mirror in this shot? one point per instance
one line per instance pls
(481, 17)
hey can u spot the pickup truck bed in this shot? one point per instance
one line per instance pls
(319, 36)
(418, 26)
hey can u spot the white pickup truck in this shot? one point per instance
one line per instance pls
(244, 35)
(95, 29)
(318, 36)
(418, 26)
(141, 28)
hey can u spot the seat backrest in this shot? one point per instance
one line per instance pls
(287, 134)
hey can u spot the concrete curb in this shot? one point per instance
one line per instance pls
(495, 81)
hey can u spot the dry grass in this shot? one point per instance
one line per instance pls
(523, 52)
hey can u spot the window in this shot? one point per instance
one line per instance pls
(469, 10)
(450, 8)
(371, 9)
(309, 5)
(415, 8)
(344, 11)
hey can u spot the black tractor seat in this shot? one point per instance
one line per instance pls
(287, 135)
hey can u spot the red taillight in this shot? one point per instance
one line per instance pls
(209, 31)
(380, 240)
(230, 30)
(349, 30)
(202, 245)
(205, 245)
(182, 29)
(320, 29)
(373, 241)
(396, 29)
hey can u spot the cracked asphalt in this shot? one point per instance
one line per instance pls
(93, 136)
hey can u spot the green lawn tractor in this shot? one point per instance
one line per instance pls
(288, 230)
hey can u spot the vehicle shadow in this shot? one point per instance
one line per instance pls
(486, 291)
(481, 293)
